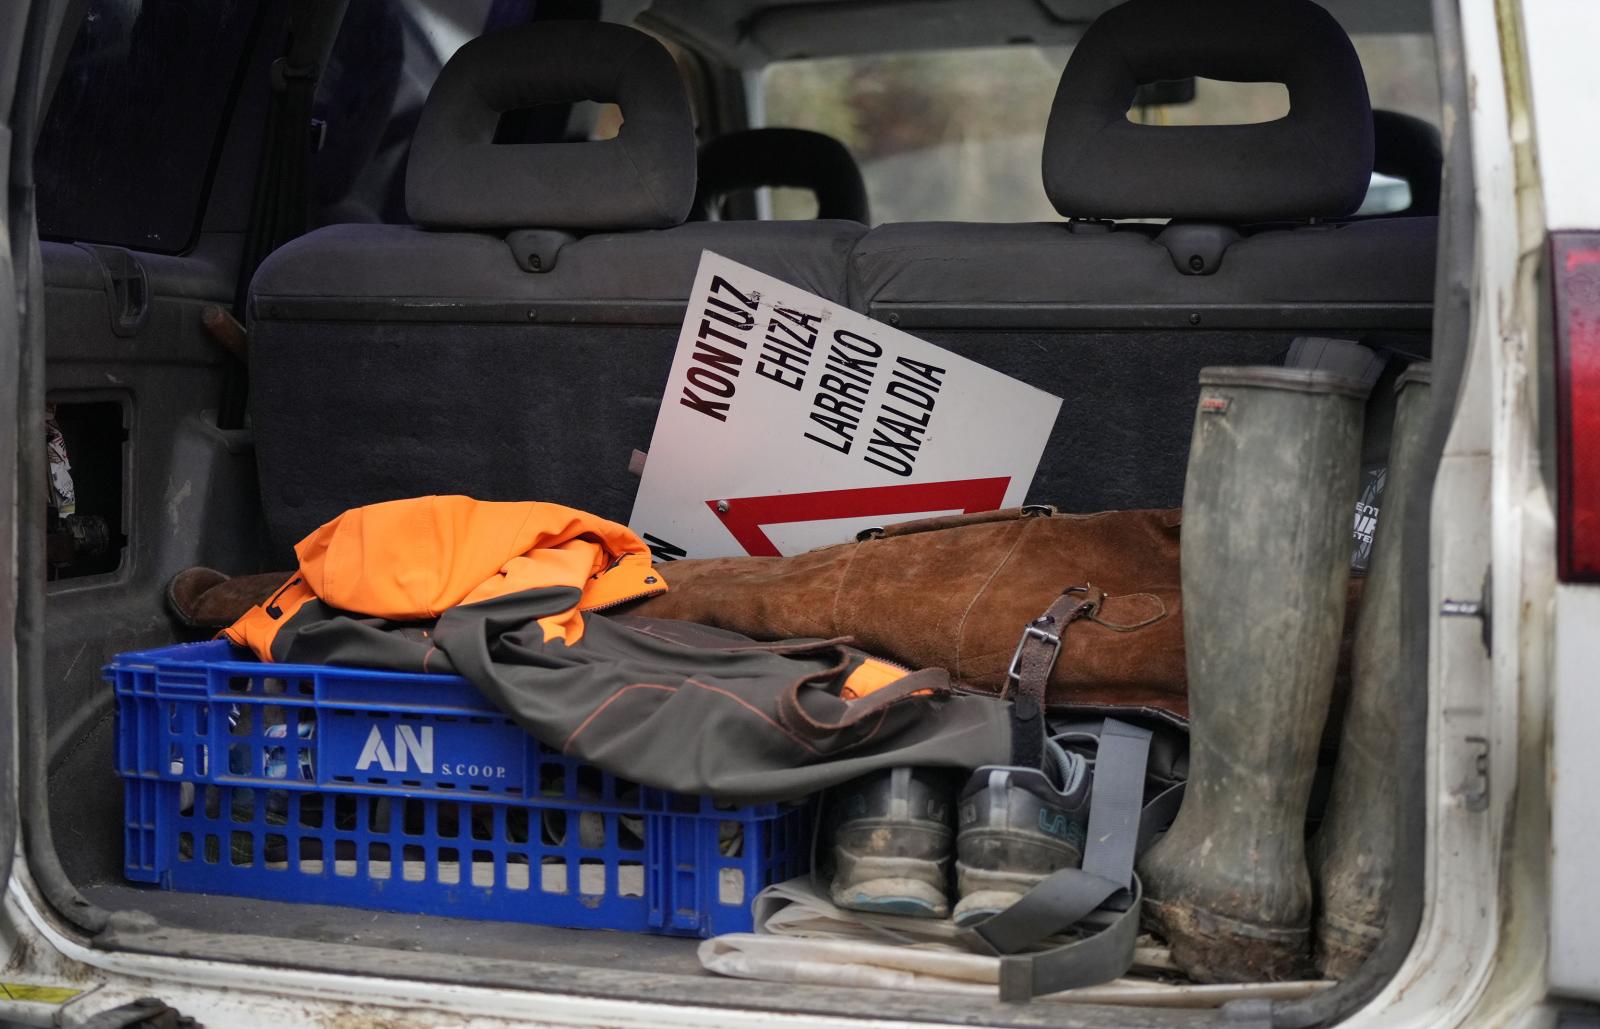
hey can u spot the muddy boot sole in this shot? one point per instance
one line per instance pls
(975, 907)
(890, 885)
(988, 891)
(906, 897)
(1344, 946)
(1214, 948)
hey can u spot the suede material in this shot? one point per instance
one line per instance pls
(204, 598)
(957, 596)
(940, 592)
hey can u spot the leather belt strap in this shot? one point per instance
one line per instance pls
(1031, 665)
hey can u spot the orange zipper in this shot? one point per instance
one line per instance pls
(625, 600)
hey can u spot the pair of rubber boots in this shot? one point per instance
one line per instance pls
(1266, 552)
(895, 834)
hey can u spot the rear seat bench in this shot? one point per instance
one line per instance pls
(1100, 316)
(1119, 318)
(514, 348)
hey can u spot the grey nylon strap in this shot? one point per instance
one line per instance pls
(1119, 827)
(1119, 768)
(1097, 959)
(1063, 899)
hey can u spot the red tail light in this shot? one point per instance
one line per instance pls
(1575, 267)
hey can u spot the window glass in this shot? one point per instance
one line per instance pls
(1402, 73)
(958, 134)
(126, 148)
(944, 134)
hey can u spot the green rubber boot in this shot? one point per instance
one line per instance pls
(1352, 857)
(1266, 554)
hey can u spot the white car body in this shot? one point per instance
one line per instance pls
(1511, 925)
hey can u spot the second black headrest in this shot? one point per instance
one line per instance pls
(458, 177)
(754, 158)
(1316, 161)
(1409, 148)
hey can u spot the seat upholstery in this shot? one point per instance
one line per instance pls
(517, 348)
(1315, 161)
(391, 361)
(1118, 318)
(1044, 272)
(459, 177)
(401, 267)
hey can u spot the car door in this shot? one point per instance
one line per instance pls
(20, 47)
(144, 188)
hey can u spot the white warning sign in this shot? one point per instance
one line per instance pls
(790, 422)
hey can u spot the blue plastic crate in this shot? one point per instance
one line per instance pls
(412, 793)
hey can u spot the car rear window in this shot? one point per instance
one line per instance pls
(126, 148)
(958, 134)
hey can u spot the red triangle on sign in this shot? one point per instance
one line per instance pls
(745, 516)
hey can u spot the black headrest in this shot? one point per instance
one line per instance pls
(1316, 161)
(754, 158)
(458, 177)
(1409, 148)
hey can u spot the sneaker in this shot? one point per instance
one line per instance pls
(891, 843)
(1018, 825)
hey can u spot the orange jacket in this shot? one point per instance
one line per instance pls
(412, 560)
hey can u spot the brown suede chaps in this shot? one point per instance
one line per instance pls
(952, 593)
(956, 593)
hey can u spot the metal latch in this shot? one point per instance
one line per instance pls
(1478, 609)
(127, 287)
(1476, 796)
(1034, 631)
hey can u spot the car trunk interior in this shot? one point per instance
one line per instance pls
(192, 486)
(165, 454)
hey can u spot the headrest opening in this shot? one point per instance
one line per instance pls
(458, 177)
(1315, 162)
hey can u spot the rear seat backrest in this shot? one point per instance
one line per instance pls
(517, 348)
(1118, 319)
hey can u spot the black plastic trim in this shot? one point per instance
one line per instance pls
(38, 842)
(17, 194)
